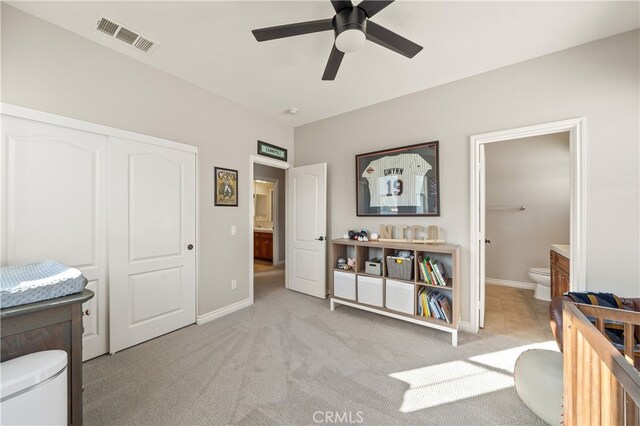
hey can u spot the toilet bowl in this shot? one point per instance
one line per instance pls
(542, 278)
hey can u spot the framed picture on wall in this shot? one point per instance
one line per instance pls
(399, 182)
(226, 187)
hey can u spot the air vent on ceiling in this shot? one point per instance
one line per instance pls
(107, 27)
(127, 35)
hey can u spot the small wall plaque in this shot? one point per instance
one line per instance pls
(272, 151)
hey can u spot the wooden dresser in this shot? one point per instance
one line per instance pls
(559, 274)
(50, 324)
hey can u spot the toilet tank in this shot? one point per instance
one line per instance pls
(33, 389)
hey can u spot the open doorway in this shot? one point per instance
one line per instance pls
(478, 203)
(527, 206)
(267, 226)
(269, 201)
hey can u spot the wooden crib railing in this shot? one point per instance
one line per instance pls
(601, 385)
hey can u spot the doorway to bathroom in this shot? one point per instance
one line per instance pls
(268, 225)
(526, 195)
(527, 203)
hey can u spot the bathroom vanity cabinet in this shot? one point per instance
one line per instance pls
(263, 245)
(559, 274)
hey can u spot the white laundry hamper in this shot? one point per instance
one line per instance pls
(33, 389)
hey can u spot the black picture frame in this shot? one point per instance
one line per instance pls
(225, 187)
(383, 187)
(272, 151)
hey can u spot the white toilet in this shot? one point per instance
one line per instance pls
(542, 278)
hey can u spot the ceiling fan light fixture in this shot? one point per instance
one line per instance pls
(350, 25)
(350, 40)
(352, 29)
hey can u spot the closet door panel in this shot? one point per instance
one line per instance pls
(51, 211)
(154, 213)
(54, 189)
(152, 241)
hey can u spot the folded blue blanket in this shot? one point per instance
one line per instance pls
(38, 281)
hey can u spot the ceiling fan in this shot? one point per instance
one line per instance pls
(352, 28)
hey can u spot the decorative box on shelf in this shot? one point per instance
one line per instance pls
(373, 267)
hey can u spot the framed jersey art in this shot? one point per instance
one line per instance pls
(399, 182)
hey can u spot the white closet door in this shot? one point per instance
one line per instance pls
(152, 237)
(54, 189)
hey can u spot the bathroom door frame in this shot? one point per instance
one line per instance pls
(275, 199)
(577, 143)
(278, 164)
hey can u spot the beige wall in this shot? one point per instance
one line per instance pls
(279, 175)
(533, 172)
(599, 81)
(50, 69)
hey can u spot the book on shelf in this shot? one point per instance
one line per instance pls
(436, 272)
(441, 274)
(424, 275)
(431, 303)
(445, 307)
(423, 306)
(432, 275)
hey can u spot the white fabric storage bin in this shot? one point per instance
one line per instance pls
(344, 285)
(370, 290)
(400, 296)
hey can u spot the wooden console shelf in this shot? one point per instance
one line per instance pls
(390, 296)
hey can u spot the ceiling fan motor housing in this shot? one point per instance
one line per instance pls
(350, 26)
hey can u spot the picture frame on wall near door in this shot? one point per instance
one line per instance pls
(401, 181)
(226, 187)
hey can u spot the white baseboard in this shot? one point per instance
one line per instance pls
(279, 262)
(219, 313)
(466, 326)
(507, 283)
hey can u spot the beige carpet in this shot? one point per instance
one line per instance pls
(264, 266)
(289, 360)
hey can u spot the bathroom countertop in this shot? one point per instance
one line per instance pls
(562, 249)
(268, 230)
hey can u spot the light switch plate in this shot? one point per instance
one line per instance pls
(234, 230)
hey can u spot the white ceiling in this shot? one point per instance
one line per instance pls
(210, 44)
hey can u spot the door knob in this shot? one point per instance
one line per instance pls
(190, 247)
(87, 312)
(487, 241)
(320, 239)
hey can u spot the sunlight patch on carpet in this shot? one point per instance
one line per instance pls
(506, 359)
(457, 380)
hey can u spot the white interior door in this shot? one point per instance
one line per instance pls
(482, 237)
(54, 194)
(151, 241)
(307, 229)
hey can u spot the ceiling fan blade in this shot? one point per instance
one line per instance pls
(371, 7)
(386, 38)
(338, 5)
(335, 58)
(289, 30)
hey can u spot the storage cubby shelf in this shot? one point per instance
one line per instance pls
(394, 297)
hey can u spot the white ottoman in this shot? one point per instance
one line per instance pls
(538, 379)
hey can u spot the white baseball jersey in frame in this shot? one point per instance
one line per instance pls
(397, 181)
